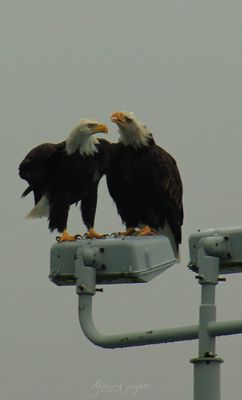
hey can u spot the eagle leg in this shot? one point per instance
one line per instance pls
(66, 237)
(147, 231)
(92, 234)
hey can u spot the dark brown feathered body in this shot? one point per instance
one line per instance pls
(64, 179)
(146, 186)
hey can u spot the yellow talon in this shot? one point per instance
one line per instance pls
(92, 234)
(128, 232)
(66, 237)
(147, 231)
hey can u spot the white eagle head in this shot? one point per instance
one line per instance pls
(132, 131)
(81, 137)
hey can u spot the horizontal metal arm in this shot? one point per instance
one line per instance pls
(129, 339)
(225, 328)
(147, 337)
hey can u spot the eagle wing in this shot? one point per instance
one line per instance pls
(35, 167)
(168, 188)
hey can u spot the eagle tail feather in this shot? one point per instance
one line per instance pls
(41, 209)
(27, 191)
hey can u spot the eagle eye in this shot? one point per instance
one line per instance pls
(128, 120)
(91, 125)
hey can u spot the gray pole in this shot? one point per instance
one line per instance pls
(207, 365)
(105, 261)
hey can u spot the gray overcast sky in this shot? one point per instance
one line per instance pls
(177, 65)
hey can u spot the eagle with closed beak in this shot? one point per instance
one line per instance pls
(66, 173)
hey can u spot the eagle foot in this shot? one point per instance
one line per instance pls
(92, 234)
(147, 231)
(78, 236)
(66, 237)
(115, 234)
(128, 232)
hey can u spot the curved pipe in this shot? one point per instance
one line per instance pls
(129, 339)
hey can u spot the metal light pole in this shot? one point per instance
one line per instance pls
(211, 252)
(207, 365)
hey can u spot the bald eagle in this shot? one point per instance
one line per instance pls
(66, 173)
(144, 182)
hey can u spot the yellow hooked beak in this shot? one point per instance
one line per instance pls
(101, 128)
(118, 118)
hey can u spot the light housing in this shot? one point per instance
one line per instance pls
(116, 260)
(225, 243)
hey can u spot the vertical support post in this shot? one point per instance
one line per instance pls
(207, 365)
